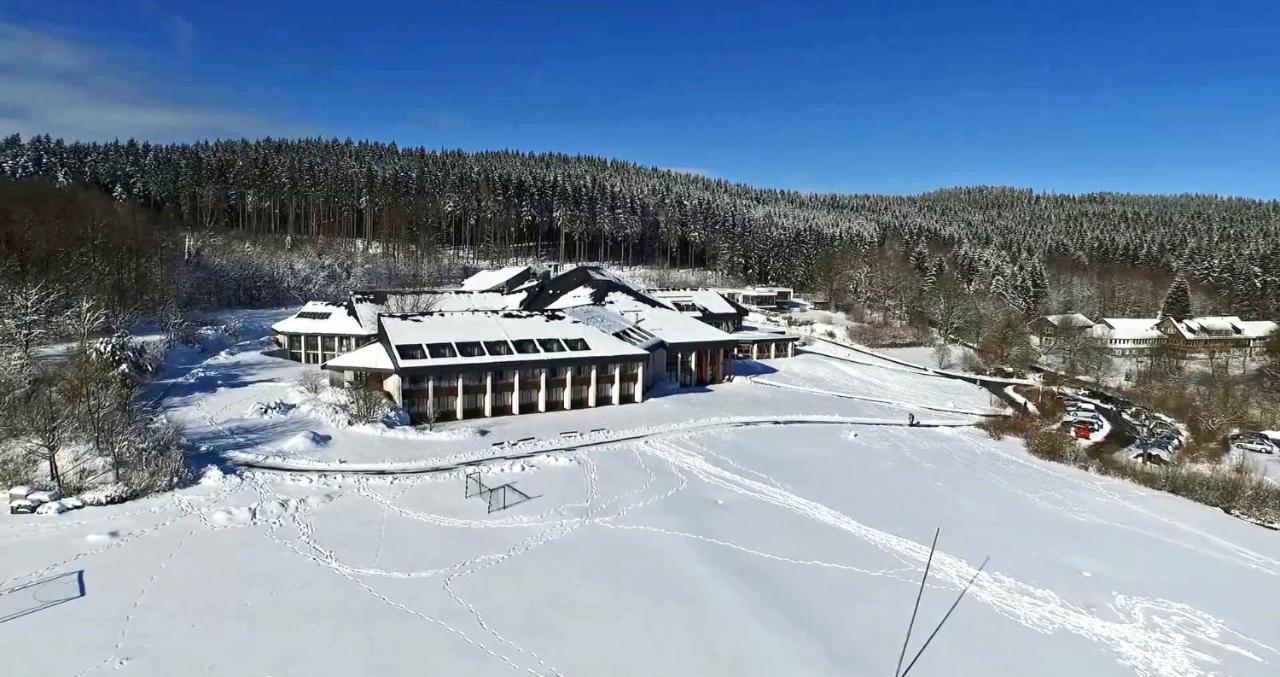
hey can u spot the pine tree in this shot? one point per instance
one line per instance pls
(1177, 301)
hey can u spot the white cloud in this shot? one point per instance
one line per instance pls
(56, 86)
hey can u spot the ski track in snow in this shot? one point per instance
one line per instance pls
(1225, 550)
(1151, 636)
(1155, 637)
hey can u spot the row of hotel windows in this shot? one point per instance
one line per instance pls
(446, 400)
(444, 381)
(419, 351)
(314, 349)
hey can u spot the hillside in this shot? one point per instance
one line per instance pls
(512, 204)
(685, 550)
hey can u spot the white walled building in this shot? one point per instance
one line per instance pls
(408, 342)
(1127, 336)
(457, 365)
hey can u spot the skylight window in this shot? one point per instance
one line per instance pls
(576, 344)
(551, 345)
(498, 347)
(313, 315)
(411, 351)
(470, 348)
(438, 350)
(525, 346)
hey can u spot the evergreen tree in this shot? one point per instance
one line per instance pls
(1177, 300)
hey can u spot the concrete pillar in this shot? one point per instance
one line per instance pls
(393, 386)
(753, 350)
(693, 368)
(488, 393)
(431, 395)
(679, 366)
(515, 393)
(773, 349)
(568, 387)
(791, 348)
(591, 389)
(458, 404)
(640, 383)
(617, 384)
(542, 390)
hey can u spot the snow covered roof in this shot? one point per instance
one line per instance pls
(323, 317)
(673, 327)
(1221, 326)
(369, 304)
(1127, 328)
(581, 286)
(493, 280)
(614, 324)
(707, 301)
(1069, 320)
(1259, 328)
(372, 357)
(448, 339)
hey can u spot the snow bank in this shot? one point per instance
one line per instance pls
(305, 441)
(107, 495)
(523, 450)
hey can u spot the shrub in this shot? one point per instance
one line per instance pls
(885, 335)
(368, 405)
(1054, 445)
(1018, 425)
(232, 328)
(313, 382)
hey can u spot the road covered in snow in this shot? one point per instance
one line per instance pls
(700, 549)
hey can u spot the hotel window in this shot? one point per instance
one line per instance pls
(438, 350)
(576, 344)
(411, 351)
(551, 345)
(525, 346)
(470, 349)
(498, 347)
(328, 343)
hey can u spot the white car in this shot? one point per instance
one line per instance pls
(1255, 442)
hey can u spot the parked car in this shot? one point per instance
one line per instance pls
(1255, 442)
(1089, 416)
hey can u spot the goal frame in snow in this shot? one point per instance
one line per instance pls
(497, 498)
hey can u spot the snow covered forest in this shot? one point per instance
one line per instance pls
(414, 202)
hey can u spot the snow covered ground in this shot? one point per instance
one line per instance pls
(756, 550)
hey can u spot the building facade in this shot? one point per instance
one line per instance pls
(458, 365)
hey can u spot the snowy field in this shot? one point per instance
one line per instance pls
(691, 548)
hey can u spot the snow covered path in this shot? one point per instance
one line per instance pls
(678, 540)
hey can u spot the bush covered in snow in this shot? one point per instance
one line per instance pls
(75, 424)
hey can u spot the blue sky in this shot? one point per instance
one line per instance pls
(897, 97)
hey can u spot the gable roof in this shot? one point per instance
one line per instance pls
(708, 301)
(1069, 320)
(324, 317)
(672, 326)
(1127, 328)
(493, 280)
(1220, 326)
(372, 357)
(371, 303)
(581, 286)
